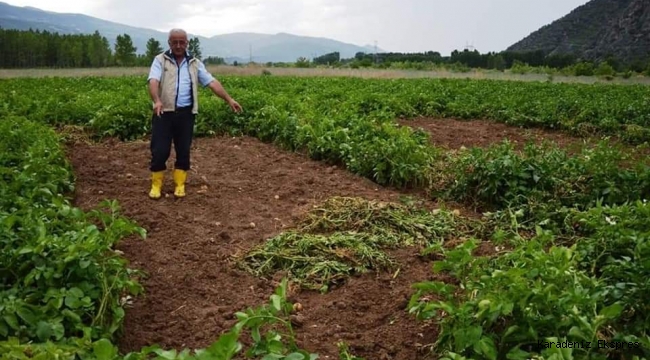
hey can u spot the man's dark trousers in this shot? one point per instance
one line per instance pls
(172, 127)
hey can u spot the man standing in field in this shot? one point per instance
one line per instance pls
(173, 86)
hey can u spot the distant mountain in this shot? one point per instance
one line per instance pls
(281, 47)
(278, 47)
(596, 30)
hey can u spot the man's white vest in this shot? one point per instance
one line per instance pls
(169, 79)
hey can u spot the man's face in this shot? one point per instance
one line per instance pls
(178, 44)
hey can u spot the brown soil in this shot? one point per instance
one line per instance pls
(454, 134)
(194, 288)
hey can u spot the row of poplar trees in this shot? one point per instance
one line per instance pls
(35, 48)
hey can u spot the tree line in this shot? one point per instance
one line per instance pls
(474, 59)
(41, 48)
(36, 48)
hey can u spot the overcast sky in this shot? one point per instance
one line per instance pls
(396, 25)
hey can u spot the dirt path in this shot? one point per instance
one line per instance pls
(194, 289)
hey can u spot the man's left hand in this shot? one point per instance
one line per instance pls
(235, 106)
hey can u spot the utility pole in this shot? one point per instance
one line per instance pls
(376, 59)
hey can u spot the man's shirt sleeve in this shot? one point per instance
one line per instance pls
(156, 70)
(205, 78)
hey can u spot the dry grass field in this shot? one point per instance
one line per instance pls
(253, 70)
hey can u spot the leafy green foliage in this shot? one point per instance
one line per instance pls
(60, 279)
(344, 120)
(507, 306)
(617, 251)
(59, 275)
(33, 171)
(577, 278)
(260, 323)
(544, 181)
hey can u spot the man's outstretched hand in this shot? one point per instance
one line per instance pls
(234, 105)
(218, 90)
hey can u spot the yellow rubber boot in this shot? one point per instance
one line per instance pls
(179, 178)
(156, 184)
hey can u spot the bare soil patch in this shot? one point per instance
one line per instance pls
(454, 134)
(194, 288)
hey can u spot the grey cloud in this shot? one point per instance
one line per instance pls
(397, 25)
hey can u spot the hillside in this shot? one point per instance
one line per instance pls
(235, 46)
(596, 30)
